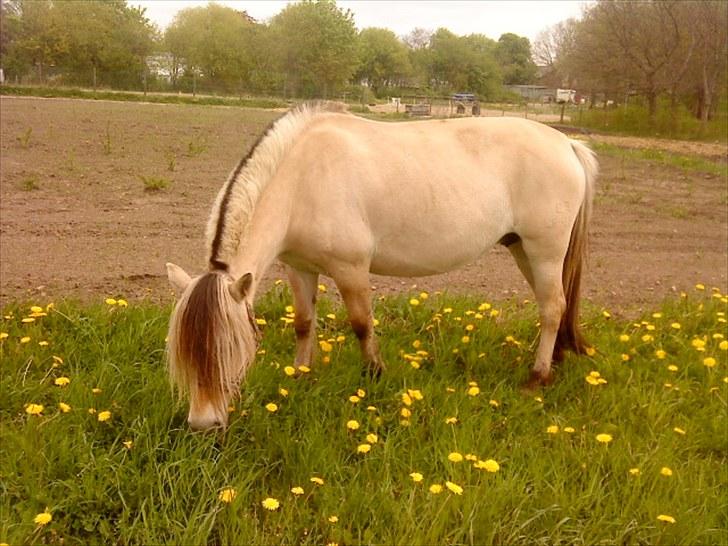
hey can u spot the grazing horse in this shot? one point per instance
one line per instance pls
(330, 193)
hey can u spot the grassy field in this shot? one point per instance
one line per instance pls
(628, 446)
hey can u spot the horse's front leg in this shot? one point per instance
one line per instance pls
(356, 293)
(304, 286)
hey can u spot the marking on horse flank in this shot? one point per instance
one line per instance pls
(509, 239)
(214, 262)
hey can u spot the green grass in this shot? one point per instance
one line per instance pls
(551, 488)
(693, 163)
(126, 96)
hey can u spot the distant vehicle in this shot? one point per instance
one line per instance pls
(464, 102)
(565, 95)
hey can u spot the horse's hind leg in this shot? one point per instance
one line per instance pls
(546, 279)
(355, 290)
(304, 286)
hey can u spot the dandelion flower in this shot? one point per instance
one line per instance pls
(416, 477)
(62, 381)
(404, 412)
(552, 429)
(361, 393)
(110, 301)
(414, 302)
(672, 368)
(34, 409)
(406, 399)
(333, 519)
(289, 371)
(451, 420)
(96, 390)
(435, 489)
(352, 424)
(569, 430)
(660, 354)
(624, 338)
(297, 490)
(723, 345)
(455, 488)
(416, 394)
(304, 369)
(270, 504)
(372, 438)
(634, 471)
(65, 408)
(709, 362)
(283, 392)
(128, 444)
(227, 495)
(604, 438)
(489, 465)
(473, 391)
(3, 335)
(44, 518)
(103, 416)
(317, 480)
(675, 326)
(326, 346)
(666, 518)
(261, 321)
(455, 457)
(271, 407)
(25, 339)
(465, 339)
(122, 303)
(666, 471)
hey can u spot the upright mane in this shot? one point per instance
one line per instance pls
(233, 208)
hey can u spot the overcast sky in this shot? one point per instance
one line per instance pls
(489, 17)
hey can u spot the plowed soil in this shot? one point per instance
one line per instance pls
(76, 221)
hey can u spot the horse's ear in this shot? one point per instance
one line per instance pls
(240, 288)
(177, 277)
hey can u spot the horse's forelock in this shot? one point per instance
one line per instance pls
(211, 342)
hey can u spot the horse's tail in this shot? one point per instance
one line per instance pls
(569, 336)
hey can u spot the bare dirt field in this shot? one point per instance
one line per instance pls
(76, 221)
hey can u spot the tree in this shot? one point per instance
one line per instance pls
(550, 51)
(383, 58)
(316, 46)
(513, 54)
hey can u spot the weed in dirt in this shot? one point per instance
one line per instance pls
(195, 147)
(30, 183)
(24, 139)
(106, 140)
(171, 161)
(686, 162)
(155, 183)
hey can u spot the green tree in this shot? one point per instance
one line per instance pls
(383, 58)
(513, 54)
(316, 47)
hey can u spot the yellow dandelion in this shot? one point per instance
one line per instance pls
(316, 480)
(660, 354)
(128, 444)
(122, 303)
(361, 393)
(326, 347)
(435, 489)
(494, 403)
(624, 338)
(363, 448)
(451, 420)
(61, 381)
(270, 504)
(283, 392)
(271, 407)
(104, 416)
(591, 351)
(322, 288)
(110, 301)
(570, 430)
(25, 339)
(625, 357)
(227, 495)
(65, 408)
(604, 438)
(672, 368)
(465, 339)
(709, 362)
(333, 519)
(372, 438)
(666, 518)
(352, 424)
(424, 295)
(415, 394)
(414, 302)
(3, 335)
(416, 477)
(304, 369)
(406, 399)
(96, 390)
(489, 465)
(552, 429)
(455, 488)
(297, 490)
(404, 412)
(700, 286)
(34, 409)
(675, 326)
(473, 391)
(666, 471)
(723, 345)
(28, 320)
(261, 321)
(634, 471)
(44, 518)
(679, 430)
(455, 457)
(289, 371)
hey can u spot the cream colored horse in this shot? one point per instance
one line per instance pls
(333, 194)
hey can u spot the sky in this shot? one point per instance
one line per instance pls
(490, 17)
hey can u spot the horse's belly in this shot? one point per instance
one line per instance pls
(431, 254)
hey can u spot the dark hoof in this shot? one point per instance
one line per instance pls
(373, 370)
(536, 380)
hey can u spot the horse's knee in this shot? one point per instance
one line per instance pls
(302, 328)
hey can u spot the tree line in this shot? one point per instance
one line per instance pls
(310, 49)
(660, 51)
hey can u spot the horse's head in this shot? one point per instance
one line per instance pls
(211, 342)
